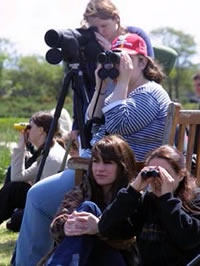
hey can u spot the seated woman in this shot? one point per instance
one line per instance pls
(165, 219)
(112, 166)
(13, 194)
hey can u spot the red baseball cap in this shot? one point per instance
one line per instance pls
(130, 42)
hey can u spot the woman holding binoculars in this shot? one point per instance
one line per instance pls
(13, 194)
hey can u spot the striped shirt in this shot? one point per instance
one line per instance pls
(139, 119)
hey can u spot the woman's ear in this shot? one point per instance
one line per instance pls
(41, 130)
(182, 174)
(143, 62)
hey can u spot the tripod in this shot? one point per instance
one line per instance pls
(74, 76)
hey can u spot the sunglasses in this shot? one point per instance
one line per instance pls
(28, 127)
(196, 77)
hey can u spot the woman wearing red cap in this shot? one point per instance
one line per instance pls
(137, 106)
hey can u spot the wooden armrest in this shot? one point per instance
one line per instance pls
(78, 163)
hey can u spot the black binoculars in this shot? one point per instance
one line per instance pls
(150, 173)
(108, 58)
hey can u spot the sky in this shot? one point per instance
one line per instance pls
(25, 22)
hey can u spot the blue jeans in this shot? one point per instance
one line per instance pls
(43, 200)
(86, 250)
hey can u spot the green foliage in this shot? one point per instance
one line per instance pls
(31, 76)
(4, 161)
(180, 41)
(8, 134)
(25, 107)
(179, 82)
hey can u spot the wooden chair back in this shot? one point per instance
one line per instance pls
(80, 165)
(181, 124)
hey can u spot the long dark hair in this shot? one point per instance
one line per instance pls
(187, 189)
(44, 119)
(153, 70)
(112, 148)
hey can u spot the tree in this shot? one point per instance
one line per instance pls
(33, 76)
(186, 49)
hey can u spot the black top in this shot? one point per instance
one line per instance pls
(166, 234)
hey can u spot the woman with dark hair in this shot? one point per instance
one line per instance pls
(161, 208)
(13, 194)
(111, 167)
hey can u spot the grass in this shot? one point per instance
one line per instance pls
(7, 243)
(7, 134)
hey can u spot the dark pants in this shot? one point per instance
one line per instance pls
(7, 177)
(12, 196)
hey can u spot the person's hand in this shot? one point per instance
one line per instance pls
(166, 181)
(81, 223)
(162, 184)
(140, 183)
(23, 139)
(105, 82)
(125, 68)
(74, 151)
(103, 41)
(97, 78)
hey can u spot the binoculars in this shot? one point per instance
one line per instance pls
(150, 173)
(105, 59)
(21, 126)
(109, 57)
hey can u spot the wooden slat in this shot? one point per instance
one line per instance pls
(78, 163)
(184, 120)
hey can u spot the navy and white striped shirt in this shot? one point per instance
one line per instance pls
(139, 119)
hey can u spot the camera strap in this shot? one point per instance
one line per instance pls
(93, 120)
